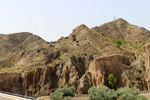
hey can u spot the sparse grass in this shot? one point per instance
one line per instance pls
(7, 65)
(142, 44)
(138, 47)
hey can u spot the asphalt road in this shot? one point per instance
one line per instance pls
(10, 97)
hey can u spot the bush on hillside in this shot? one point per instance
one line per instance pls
(67, 98)
(129, 94)
(56, 96)
(140, 97)
(102, 93)
(62, 92)
(135, 91)
(117, 42)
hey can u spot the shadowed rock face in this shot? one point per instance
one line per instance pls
(44, 79)
(10, 82)
(84, 59)
(144, 62)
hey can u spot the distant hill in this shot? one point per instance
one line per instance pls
(10, 41)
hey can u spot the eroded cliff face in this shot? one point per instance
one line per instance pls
(42, 81)
(102, 67)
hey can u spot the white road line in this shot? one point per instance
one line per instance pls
(12, 97)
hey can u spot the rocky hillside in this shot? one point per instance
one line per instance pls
(31, 66)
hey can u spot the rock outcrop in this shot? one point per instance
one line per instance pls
(102, 67)
(10, 82)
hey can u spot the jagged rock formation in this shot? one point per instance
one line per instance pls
(31, 66)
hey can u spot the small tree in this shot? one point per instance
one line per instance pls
(112, 80)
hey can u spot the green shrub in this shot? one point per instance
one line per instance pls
(112, 81)
(22, 70)
(56, 96)
(102, 93)
(66, 91)
(67, 98)
(47, 42)
(128, 93)
(117, 42)
(113, 41)
(128, 96)
(117, 45)
(140, 97)
(142, 44)
(102, 33)
(63, 92)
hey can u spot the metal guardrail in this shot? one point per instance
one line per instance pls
(18, 95)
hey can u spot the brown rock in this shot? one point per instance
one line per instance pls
(102, 67)
(70, 72)
(84, 83)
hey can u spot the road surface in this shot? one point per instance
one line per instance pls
(10, 97)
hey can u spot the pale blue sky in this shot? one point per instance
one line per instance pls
(52, 19)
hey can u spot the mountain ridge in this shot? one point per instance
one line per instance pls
(83, 59)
